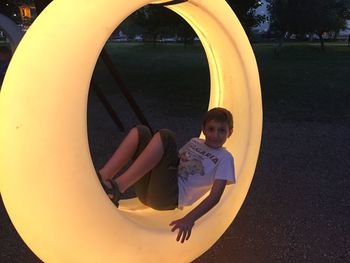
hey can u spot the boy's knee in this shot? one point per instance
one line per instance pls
(168, 139)
(166, 134)
(144, 136)
(144, 132)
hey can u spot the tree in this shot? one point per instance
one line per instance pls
(246, 13)
(302, 17)
(153, 19)
(159, 22)
(329, 17)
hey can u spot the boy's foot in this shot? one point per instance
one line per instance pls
(111, 188)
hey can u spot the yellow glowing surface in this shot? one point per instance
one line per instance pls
(48, 182)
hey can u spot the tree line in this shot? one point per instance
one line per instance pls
(286, 17)
(308, 17)
(154, 21)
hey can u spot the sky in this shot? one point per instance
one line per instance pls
(262, 11)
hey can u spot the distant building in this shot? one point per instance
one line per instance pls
(345, 33)
(118, 36)
(27, 14)
(24, 11)
(23, 15)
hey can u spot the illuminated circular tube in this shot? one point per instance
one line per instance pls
(12, 31)
(48, 182)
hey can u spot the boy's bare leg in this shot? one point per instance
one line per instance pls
(147, 160)
(121, 156)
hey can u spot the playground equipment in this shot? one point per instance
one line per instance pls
(48, 182)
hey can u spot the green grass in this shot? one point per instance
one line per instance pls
(178, 76)
(302, 83)
(305, 83)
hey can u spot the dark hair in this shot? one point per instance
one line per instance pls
(220, 115)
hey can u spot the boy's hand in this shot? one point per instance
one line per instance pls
(185, 227)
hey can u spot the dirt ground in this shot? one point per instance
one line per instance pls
(298, 206)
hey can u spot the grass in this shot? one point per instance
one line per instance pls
(178, 76)
(302, 83)
(305, 83)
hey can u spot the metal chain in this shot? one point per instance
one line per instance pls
(173, 2)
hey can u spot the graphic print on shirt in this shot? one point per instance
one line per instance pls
(193, 161)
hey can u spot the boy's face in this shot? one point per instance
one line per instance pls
(216, 133)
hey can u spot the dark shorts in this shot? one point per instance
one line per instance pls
(159, 188)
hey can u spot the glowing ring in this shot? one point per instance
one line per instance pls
(12, 31)
(48, 182)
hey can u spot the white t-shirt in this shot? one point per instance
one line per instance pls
(199, 166)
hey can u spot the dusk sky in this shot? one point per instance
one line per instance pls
(262, 11)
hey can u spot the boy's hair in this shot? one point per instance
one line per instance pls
(220, 115)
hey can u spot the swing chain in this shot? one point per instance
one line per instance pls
(172, 2)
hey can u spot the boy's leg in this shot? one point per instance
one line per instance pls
(147, 160)
(162, 189)
(125, 152)
(158, 189)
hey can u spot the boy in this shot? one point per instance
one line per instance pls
(166, 179)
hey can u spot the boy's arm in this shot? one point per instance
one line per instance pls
(186, 223)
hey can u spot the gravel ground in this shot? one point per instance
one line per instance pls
(298, 206)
